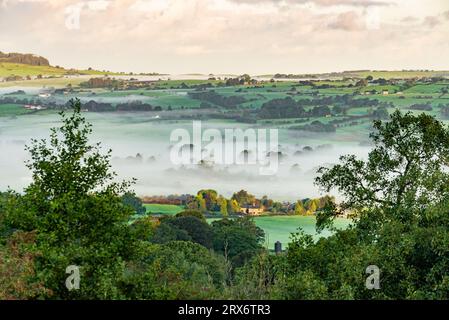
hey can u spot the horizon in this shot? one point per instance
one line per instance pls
(260, 74)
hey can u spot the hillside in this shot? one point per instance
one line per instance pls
(27, 58)
(19, 67)
(16, 72)
(8, 69)
(362, 74)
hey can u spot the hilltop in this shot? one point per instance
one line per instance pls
(362, 74)
(26, 66)
(27, 58)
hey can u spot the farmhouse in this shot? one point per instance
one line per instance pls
(33, 107)
(252, 210)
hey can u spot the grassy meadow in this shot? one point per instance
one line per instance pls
(280, 228)
(12, 109)
(23, 70)
(165, 209)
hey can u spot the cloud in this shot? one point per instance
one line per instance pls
(227, 35)
(348, 21)
(446, 15)
(410, 20)
(323, 3)
(431, 21)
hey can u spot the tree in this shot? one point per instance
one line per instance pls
(167, 232)
(202, 206)
(243, 198)
(198, 203)
(381, 113)
(299, 208)
(175, 270)
(5, 230)
(76, 210)
(311, 206)
(223, 207)
(191, 213)
(130, 199)
(398, 198)
(406, 167)
(362, 83)
(267, 203)
(210, 198)
(256, 279)
(184, 228)
(237, 239)
(246, 78)
(233, 206)
(305, 285)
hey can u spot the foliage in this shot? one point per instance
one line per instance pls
(256, 279)
(76, 209)
(191, 213)
(185, 228)
(17, 272)
(404, 169)
(134, 202)
(176, 270)
(243, 198)
(75, 213)
(398, 198)
(237, 239)
(398, 201)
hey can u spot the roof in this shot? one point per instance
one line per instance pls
(251, 207)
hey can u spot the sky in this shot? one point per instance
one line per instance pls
(230, 36)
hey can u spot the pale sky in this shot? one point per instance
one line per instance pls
(230, 36)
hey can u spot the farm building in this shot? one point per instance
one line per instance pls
(33, 107)
(252, 210)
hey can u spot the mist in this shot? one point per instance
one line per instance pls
(141, 149)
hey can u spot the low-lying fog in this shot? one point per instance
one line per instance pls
(132, 134)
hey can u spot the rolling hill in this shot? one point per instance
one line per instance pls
(14, 66)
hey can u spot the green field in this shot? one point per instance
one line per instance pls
(23, 70)
(376, 74)
(402, 74)
(58, 82)
(167, 209)
(280, 228)
(7, 110)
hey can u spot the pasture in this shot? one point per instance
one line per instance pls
(23, 70)
(7, 110)
(168, 209)
(280, 228)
